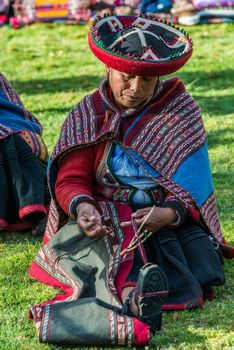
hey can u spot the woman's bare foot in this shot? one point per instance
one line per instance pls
(125, 294)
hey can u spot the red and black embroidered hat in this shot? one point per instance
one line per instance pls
(139, 45)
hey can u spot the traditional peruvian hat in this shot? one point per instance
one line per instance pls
(139, 45)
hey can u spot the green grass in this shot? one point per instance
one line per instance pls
(51, 68)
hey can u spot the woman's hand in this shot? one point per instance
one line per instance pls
(158, 218)
(89, 220)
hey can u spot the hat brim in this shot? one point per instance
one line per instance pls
(128, 63)
(130, 66)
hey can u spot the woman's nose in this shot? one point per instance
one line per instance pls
(136, 84)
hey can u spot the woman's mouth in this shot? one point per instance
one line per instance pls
(132, 98)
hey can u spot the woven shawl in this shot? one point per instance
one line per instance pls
(168, 133)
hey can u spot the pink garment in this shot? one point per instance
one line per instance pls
(200, 4)
(131, 3)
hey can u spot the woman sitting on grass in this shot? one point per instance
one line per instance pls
(131, 172)
(23, 158)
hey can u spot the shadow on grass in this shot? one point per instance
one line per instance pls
(174, 339)
(212, 79)
(216, 105)
(221, 136)
(54, 110)
(41, 86)
(205, 81)
(223, 181)
(19, 237)
(220, 105)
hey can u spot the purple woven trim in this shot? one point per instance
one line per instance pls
(55, 218)
(179, 192)
(9, 91)
(209, 213)
(77, 130)
(201, 4)
(172, 135)
(208, 210)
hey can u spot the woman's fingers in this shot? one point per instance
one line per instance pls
(129, 223)
(94, 233)
(125, 223)
(93, 227)
(97, 231)
(90, 221)
(140, 213)
(84, 224)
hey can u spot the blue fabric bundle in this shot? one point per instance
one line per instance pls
(154, 6)
(12, 116)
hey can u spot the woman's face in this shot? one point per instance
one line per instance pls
(130, 90)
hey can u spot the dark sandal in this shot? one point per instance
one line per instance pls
(149, 295)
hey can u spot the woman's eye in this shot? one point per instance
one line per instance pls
(127, 77)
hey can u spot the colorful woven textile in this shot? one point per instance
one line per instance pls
(202, 4)
(190, 12)
(84, 11)
(4, 11)
(23, 159)
(62, 11)
(65, 11)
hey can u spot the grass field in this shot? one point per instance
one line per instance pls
(51, 68)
